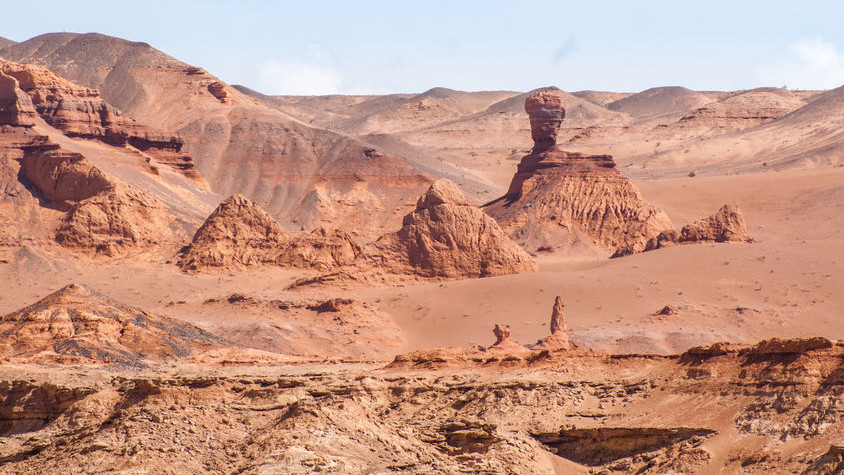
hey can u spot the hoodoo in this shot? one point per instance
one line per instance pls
(568, 200)
(559, 338)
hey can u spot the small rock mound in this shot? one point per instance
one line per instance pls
(448, 238)
(559, 338)
(112, 222)
(570, 200)
(79, 325)
(503, 343)
(727, 225)
(240, 234)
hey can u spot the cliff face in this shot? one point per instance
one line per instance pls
(560, 200)
(80, 112)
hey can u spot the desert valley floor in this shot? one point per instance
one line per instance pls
(197, 277)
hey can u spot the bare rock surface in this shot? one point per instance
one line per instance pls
(81, 112)
(240, 234)
(76, 325)
(443, 238)
(447, 237)
(60, 177)
(567, 200)
(559, 338)
(726, 225)
(16, 107)
(117, 220)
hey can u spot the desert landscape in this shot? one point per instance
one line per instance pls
(201, 278)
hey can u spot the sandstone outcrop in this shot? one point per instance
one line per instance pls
(559, 338)
(61, 178)
(81, 112)
(726, 225)
(79, 325)
(745, 109)
(447, 237)
(15, 106)
(564, 200)
(775, 346)
(503, 343)
(240, 234)
(443, 238)
(117, 220)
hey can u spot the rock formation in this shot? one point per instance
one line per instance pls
(443, 238)
(559, 338)
(503, 343)
(112, 222)
(79, 325)
(774, 346)
(61, 178)
(727, 225)
(562, 200)
(240, 234)
(745, 109)
(447, 237)
(16, 108)
(81, 112)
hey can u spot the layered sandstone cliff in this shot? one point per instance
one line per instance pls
(80, 112)
(566, 200)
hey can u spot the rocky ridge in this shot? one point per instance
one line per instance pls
(78, 325)
(81, 112)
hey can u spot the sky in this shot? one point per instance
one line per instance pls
(402, 46)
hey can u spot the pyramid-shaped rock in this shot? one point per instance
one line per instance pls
(240, 234)
(447, 237)
(564, 200)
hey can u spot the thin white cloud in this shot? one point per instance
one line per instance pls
(565, 50)
(809, 63)
(297, 78)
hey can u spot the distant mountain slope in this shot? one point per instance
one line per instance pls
(660, 102)
(4, 42)
(301, 174)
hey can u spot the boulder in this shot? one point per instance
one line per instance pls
(727, 225)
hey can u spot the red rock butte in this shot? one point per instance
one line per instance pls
(561, 200)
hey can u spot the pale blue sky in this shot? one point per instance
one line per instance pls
(380, 46)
